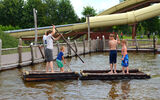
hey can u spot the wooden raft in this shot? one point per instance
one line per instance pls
(44, 76)
(104, 75)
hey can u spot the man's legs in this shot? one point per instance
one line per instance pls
(47, 66)
(51, 65)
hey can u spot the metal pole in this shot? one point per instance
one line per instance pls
(0, 52)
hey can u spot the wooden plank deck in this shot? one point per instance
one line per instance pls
(84, 75)
(104, 75)
(45, 76)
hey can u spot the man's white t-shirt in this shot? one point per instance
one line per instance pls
(50, 39)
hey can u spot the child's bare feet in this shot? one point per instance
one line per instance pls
(115, 72)
(127, 72)
(111, 72)
(123, 72)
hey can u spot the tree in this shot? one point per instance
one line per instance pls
(11, 12)
(66, 13)
(51, 12)
(151, 25)
(28, 18)
(88, 10)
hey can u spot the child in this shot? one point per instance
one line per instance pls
(113, 52)
(125, 58)
(59, 58)
(49, 49)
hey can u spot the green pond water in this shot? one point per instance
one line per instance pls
(12, 86)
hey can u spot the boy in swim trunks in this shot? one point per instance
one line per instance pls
(113, 52)
(59, 58)
(125, 58)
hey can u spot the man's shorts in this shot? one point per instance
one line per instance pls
(49, 55)
(59, 63)
(125, 62)
(113, 57)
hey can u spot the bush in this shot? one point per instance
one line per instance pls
(8, 41)
(6, 28)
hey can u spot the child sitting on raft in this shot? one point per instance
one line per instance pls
(125, 58)
(59, 58)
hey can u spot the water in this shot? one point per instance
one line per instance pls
(13, 88)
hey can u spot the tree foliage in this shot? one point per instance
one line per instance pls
(20, 12)
(88, 10)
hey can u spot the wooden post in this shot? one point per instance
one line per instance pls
(0, 52)
(88, 27)
(90, 46)
(89, 40)
(84, 46)
(35, 23)
(32, 54)
(154, 43)
(136, 44)
(75, 44)
(97, 44)
(104, 42)
(58, 49)
(69, 49)
(20, 51)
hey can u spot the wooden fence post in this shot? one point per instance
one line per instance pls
(84, 46)
(69, 49)
(97, 44)
(104, 42)
(154, 43)
(75, 44)
(20, 51)
(58, 49)
(90, 41)
(32, 54)
(0, 52)
(136, 44)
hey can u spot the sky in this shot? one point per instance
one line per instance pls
(98, 5)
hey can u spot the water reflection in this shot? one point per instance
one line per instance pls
(119, 89)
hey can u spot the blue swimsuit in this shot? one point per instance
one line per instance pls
(125, 62)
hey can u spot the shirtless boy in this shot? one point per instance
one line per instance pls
(113, 52)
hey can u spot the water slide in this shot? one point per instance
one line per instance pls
(103, 19)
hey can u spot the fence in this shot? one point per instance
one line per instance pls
(27, 55)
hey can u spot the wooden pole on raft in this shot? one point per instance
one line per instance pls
(75, 44)
(70, 46)
(41, 52)
(58, 49)
(20, 51)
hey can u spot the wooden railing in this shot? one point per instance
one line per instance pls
(27, 55)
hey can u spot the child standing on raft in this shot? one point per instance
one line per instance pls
(125, 58)
(49, 49)
(113, 52)
(59, 59)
